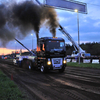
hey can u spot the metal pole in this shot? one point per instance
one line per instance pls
(78, 36)
(15, 47)
(32, 43)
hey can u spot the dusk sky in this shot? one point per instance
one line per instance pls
(89, 26)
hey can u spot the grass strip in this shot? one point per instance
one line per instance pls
(8, 89)
(88, 65)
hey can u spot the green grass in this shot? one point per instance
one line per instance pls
(89, 65)
(8, 89)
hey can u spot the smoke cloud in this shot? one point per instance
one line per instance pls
(18, 19)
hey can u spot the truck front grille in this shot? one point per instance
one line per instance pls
(57, 63)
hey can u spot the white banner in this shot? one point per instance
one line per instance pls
(86, 60)
(68, 60)
(95, 61)
(74, 60)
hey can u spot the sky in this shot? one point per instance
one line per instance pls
(89, 27)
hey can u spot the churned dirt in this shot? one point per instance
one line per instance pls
(74, 84)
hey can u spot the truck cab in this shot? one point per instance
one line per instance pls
(51, 54)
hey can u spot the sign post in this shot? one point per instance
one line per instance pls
(78, 33)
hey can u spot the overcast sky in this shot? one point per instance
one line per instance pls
(89, 26)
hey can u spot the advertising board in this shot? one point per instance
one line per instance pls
(68, 5)
(86, 60)
(95, 61)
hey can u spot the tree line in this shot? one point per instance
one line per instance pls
(92, 48)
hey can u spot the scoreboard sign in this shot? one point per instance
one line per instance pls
(68, 5)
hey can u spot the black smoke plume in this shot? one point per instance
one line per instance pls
(19, 19)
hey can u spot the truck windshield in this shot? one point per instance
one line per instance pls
(55, 46)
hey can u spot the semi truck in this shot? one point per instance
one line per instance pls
(50, 55)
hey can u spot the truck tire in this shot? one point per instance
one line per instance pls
(20, 64)
(62, 70)
(42, 69)
(24, 63)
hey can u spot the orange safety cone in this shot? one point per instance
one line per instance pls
(11, 76)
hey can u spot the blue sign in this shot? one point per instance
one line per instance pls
(68, 5)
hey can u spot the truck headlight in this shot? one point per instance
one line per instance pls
(64, 61)
(49, 62)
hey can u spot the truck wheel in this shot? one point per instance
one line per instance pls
(42, 69)
(62, 70)
(24, 63)
(20, 64)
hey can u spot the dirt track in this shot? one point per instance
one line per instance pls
(73, 84)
